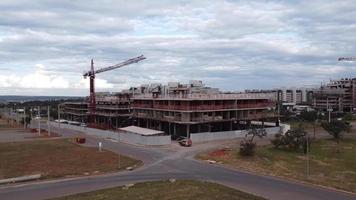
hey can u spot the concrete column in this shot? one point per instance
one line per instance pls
(174, 130)
(188, 131)
(159, 125)
(169, 128)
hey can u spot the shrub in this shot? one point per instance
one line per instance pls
(292, 140)
(247, 148)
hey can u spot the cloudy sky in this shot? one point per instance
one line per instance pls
(45, 46)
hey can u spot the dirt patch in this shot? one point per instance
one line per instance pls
(218, 153)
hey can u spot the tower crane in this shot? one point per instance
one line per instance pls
(91, 74)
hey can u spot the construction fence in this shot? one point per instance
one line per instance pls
(225, 135)
(130, 138)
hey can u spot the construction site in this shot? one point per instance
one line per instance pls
(177, 109)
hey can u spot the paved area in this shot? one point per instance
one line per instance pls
(162, 163)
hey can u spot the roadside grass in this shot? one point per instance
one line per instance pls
(164, 190)
(57, 158)
(328, 167)
(307, 125)
(296, 123)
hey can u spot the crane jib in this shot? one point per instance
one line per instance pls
(130, 61)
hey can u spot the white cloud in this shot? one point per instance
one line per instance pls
(38, 79)
(99, 84)
(222, 68)
(43, 79)
(228, 44)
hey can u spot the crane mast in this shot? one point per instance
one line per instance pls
(91, 73)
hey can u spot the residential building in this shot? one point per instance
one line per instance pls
(293, 96)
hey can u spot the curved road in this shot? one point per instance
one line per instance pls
(162, 164)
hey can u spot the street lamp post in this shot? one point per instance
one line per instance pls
(307, 155)
(59, 122)
(307, 152)
(48, 121)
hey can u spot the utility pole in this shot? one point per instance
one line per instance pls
(307, 155)
(39, 120)
(24, 118)
(48, 121)
(118, 134)
(18, 117)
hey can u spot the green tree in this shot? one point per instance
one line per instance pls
(293, 139)
(336, 128)
(310, 117)
(348, 117)
(247, 146)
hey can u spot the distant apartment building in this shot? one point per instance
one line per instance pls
(338, 95)
(294, 95)
(177, 109)
(288, 95)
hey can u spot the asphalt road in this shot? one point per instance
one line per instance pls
(169, 162)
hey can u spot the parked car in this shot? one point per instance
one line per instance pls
(184, 141)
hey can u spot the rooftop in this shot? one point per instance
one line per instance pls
(141, 131)
(208, 96)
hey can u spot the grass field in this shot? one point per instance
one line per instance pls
(164, 190)
(327, 166)
(57, 158)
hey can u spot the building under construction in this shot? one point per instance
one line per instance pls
(112, 110)
(337, 95)
(177, 109)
